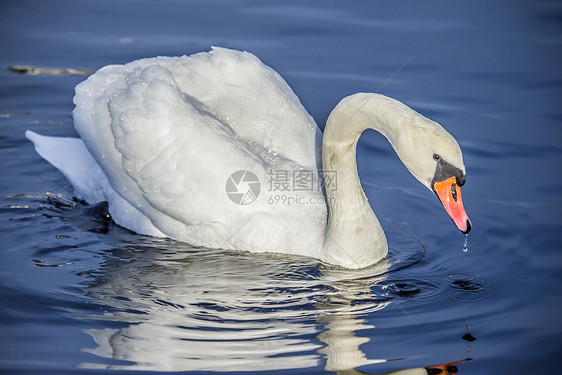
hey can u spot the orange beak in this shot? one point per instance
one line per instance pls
(449, 194)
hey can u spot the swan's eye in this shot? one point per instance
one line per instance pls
(436, 157)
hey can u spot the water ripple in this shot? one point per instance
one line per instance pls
(422, 289)
(466, 287)
(161, 299)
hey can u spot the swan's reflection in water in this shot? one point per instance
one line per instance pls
(179, 308)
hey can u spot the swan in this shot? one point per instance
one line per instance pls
(216, 150)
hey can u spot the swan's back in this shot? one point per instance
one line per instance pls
(252, 98)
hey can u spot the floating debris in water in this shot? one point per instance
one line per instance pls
(14, 114)
(41, 263)
(32, 70)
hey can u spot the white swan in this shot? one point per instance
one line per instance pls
(160, 138)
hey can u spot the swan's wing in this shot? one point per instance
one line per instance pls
(253, 99)
(164, 152)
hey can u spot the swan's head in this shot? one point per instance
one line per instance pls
(429, 152)
(434, 157)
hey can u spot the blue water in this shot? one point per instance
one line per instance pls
(79, 294)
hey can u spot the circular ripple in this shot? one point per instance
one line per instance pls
(467, 288)
(406, 288)
(403, 289)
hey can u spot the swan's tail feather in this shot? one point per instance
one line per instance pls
(77, 164)
(72, 158)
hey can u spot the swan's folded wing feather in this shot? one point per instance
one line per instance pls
(253, 99)
(162, 150)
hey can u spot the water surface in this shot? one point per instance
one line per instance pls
(80, 294)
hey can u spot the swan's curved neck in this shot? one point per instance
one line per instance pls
(354, 236)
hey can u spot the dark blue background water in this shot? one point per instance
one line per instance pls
(78, 293)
